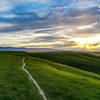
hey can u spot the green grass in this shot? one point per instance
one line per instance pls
(62, 76)
(14, 83)
(63, 82)
(84, 61)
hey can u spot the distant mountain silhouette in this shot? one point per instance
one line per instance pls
(27, 49)
(11, 49)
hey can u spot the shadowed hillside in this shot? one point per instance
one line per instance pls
(83, 61)
(62, 76)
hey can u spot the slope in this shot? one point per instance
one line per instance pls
(62, 82)
(14, 83)
(84, 61)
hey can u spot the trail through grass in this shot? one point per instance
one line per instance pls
(14, 84)
(63, 82)
(61, 76)
(41, 92)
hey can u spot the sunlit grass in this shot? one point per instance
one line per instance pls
(61, 82)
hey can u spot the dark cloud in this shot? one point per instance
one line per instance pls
(30, 20)
(45, 39)
(58, 19)
(66, 44)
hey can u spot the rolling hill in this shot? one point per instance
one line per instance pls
(62, 76)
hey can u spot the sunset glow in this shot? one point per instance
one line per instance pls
(64, 25)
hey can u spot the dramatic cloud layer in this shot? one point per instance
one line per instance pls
(57, 24)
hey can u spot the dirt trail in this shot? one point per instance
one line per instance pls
(33, 80)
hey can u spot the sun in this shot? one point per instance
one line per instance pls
(86, 43)
(87, 46)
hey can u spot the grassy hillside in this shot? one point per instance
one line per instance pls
(14, 83)
(84, 61)
(63, 82)
(62, 76)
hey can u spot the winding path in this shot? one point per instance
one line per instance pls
(33, 80)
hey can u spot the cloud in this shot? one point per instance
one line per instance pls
(85, 4)
(28, 1)
(47, 23)
(8, 16)
(5, 5)
(4, 25)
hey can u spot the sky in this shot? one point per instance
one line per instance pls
(54, 24)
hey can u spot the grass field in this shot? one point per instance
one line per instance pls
(14, 84)
(85, 61)
(62, 76)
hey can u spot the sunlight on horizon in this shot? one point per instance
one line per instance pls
(53, 24)
(88, 43)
